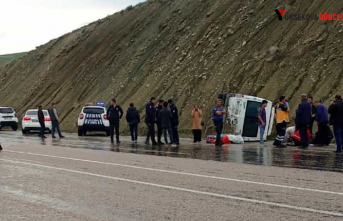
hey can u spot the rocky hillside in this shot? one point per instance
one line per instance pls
(188, 50)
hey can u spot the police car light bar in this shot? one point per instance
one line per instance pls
(100, 103)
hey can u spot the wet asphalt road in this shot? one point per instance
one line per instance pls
(81, 179)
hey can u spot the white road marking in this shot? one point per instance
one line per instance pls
(304, 209)
(181, 173)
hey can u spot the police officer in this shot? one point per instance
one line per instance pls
(158, 109)
(114, 114)
(150, 119)
(175, 121)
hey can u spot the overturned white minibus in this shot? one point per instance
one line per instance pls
(242, 116)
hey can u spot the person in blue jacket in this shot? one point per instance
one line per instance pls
(218, 113)
(303, 120)
(322, 118)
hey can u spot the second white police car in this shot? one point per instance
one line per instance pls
(93, 118)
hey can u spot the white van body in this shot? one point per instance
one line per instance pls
(242, 116)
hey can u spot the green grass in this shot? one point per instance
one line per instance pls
(5, 59)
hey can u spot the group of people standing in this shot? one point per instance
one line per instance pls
(307, 113)
(164, 114)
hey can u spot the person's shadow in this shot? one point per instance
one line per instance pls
(218, 153)
(115, 148)
(134, 148)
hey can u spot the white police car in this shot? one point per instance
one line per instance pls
(93, 118)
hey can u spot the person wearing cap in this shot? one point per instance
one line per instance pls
(336, 112)
(303, 120)
(282, 119)
(175, 121)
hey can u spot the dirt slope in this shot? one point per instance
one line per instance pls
(189, 50)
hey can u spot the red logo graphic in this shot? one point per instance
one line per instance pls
(280, 13)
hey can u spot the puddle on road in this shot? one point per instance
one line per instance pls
(315, 158)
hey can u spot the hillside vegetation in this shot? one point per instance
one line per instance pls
(7, 58)
(188, 50)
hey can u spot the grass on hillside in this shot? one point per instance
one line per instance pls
(5, 59)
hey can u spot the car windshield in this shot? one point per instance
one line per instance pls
(93, 110)
(35, 113)
(6, 111)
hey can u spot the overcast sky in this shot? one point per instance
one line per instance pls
(25, 24)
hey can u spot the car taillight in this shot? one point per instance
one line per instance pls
(27, 118)
(105, 116)
(47, 119)
(81, 116)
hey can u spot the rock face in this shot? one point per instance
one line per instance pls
(186, 50)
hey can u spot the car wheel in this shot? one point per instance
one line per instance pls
(15, 128)
(85, 132)
(80, 132)
(24, 131)
(108, 133)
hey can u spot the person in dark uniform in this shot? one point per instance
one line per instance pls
(313, 111)
(175, 121)
(165, 117)
(303, 120)
(336, 112)
(158, 109)
(133, 119)
(150, 119)
(41, 120)
(114, 114)
(218, 118)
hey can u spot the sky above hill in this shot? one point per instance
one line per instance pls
(26, 24)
